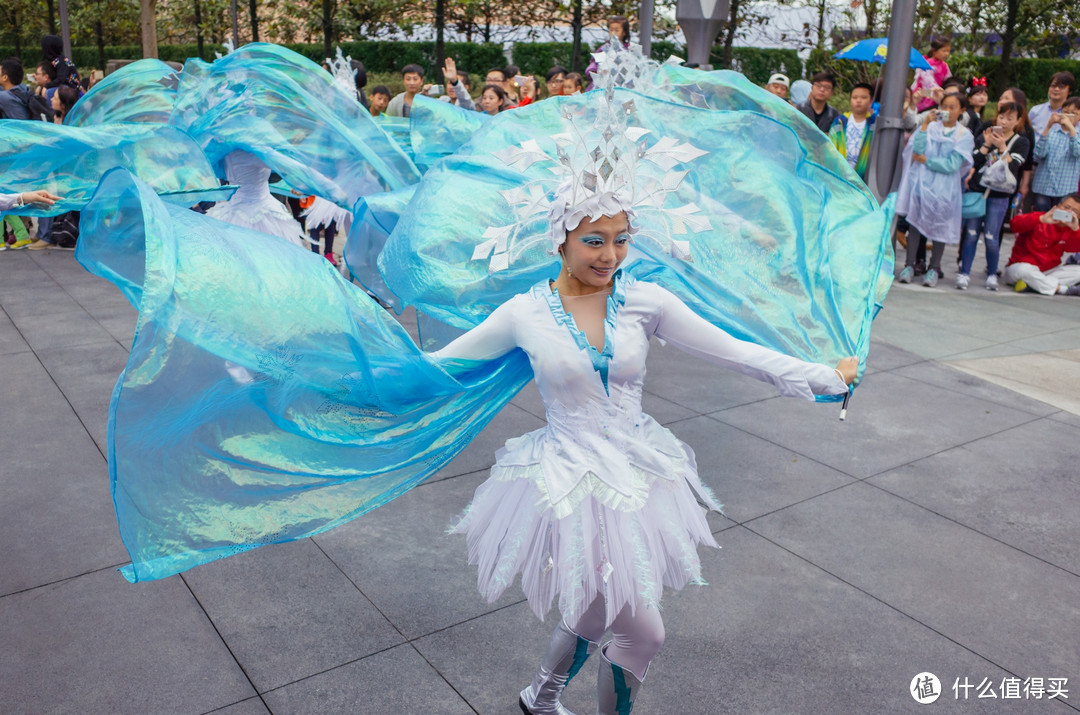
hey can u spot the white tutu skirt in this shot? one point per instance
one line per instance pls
(625, 550)
(323, 212)
(267, 215)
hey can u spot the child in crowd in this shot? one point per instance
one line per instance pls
(379, 99)
(852, 131)
(935, 160)
(926, 81)
(572, 84)
(1041, 240)
(998, 149)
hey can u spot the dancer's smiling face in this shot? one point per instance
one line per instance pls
(594, 251)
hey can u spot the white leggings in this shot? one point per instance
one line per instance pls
(636, 638)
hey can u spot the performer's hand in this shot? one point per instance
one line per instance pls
(919, 158)
(39, 197)
(849, 368)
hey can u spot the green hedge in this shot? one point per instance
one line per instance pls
(377, 56)
(538, 57)
(758, 64)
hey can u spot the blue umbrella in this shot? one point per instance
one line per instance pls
(876, 49)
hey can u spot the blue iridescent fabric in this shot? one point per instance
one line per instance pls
(143, 91)
(437, 129)
(797, 256)
(265, 399)
(70, 161)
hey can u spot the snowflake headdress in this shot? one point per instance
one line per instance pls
(344, 74)
(600, 168)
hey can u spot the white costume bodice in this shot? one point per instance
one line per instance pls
(597, 440)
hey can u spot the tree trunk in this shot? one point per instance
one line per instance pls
(327, 26)
(976, 12)
(821, 5)
(198, 30)
(1008, 40)
(575, 25)
(149, 28)
(253, 8)
(871, 16)
(440, 31)
(934, 21)
(15, 33)
(51, 9)
(730, 28)
(100, 36)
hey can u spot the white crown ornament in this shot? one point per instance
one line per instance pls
(344, 74)
(598, 169)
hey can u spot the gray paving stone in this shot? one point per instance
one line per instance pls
(394, 681)
(45, 332)
(97, 644)
(287, 612)
(56, 514)
(774, 634)
(1004, 605)
(489, 660)
(512, 421)
(411, 569)
(892, 420)
(949, 378)
(86, 374)
(37, 300)
(914, 336)
(1028, 499)
(884, 357)
(750, 476)
(251, 706)
(698, 385)
(11, 341)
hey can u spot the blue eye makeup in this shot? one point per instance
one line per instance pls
(592, 240)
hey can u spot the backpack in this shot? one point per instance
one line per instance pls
(39, 108)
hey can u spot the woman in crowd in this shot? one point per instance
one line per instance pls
(554, 78)
(998, 149)
(936, 159)
(493, 99)
(63, 100)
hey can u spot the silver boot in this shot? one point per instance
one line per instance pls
(566, 654)
(616, 688)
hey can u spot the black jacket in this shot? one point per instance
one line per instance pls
(825, 120)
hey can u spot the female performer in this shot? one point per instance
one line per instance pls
(599, 506)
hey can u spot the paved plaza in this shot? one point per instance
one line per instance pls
(937, 530)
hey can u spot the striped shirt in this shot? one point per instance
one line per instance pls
(1058, 172)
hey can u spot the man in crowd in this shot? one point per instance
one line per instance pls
(401, 105)
(778, 84)
(555, 77)
(816, 107)
(379, 100)
(852, 131)
(14, 97)
(1057, 151)
(1042, 238)
(1061, 86)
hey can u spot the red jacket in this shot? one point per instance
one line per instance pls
(1041, 244)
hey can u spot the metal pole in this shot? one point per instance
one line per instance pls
(645, 21)
(235, 27)
(886, 164)
(65, 28)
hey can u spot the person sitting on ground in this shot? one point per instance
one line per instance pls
(1042, 238)
(1057, 151)
(379, 99)
(852, 131)
(52, 48)
(816, 107)
(554, 79)
(413, 78)
(493, 99)
(63, 101)
(778, 84)
(572, 84)
(460, 93)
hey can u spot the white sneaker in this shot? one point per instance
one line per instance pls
(962, 281)
(991, 282)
